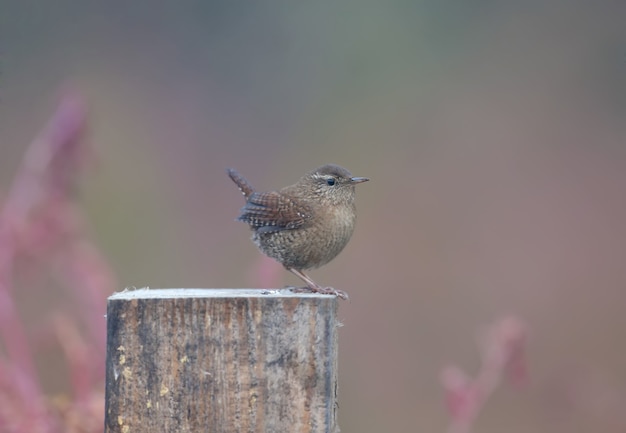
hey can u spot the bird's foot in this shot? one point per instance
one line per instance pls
(322, 290)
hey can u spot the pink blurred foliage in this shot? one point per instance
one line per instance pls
(502, 347)
(42, 225)
(265, 272)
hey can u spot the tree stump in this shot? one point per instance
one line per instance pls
(221, 360)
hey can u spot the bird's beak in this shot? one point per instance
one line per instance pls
(358, 179)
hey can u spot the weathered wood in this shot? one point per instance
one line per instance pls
(221, 360)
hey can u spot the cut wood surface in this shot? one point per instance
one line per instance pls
(221, 360)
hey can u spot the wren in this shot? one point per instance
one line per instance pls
(305, 225)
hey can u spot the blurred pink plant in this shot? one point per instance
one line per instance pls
(265, 272)
(41, 223)
(502, 348)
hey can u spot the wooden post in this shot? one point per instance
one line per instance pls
(221, 360)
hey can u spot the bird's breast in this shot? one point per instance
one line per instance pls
(334, 231)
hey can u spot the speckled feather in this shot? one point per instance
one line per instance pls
(304, 225)
(272, 211)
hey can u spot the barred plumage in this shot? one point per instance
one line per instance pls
(305, 225)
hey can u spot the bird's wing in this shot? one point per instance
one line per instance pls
(272, 211)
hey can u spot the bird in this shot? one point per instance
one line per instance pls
(305, 225)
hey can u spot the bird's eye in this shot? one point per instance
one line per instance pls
(330, 181)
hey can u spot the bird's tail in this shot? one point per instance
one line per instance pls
(241, 182)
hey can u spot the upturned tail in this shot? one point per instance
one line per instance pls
(245, 187)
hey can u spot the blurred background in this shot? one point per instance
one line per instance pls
(494, 134)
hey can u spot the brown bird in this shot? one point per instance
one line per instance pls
(305, 225)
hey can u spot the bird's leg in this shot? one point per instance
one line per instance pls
(314, 287)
